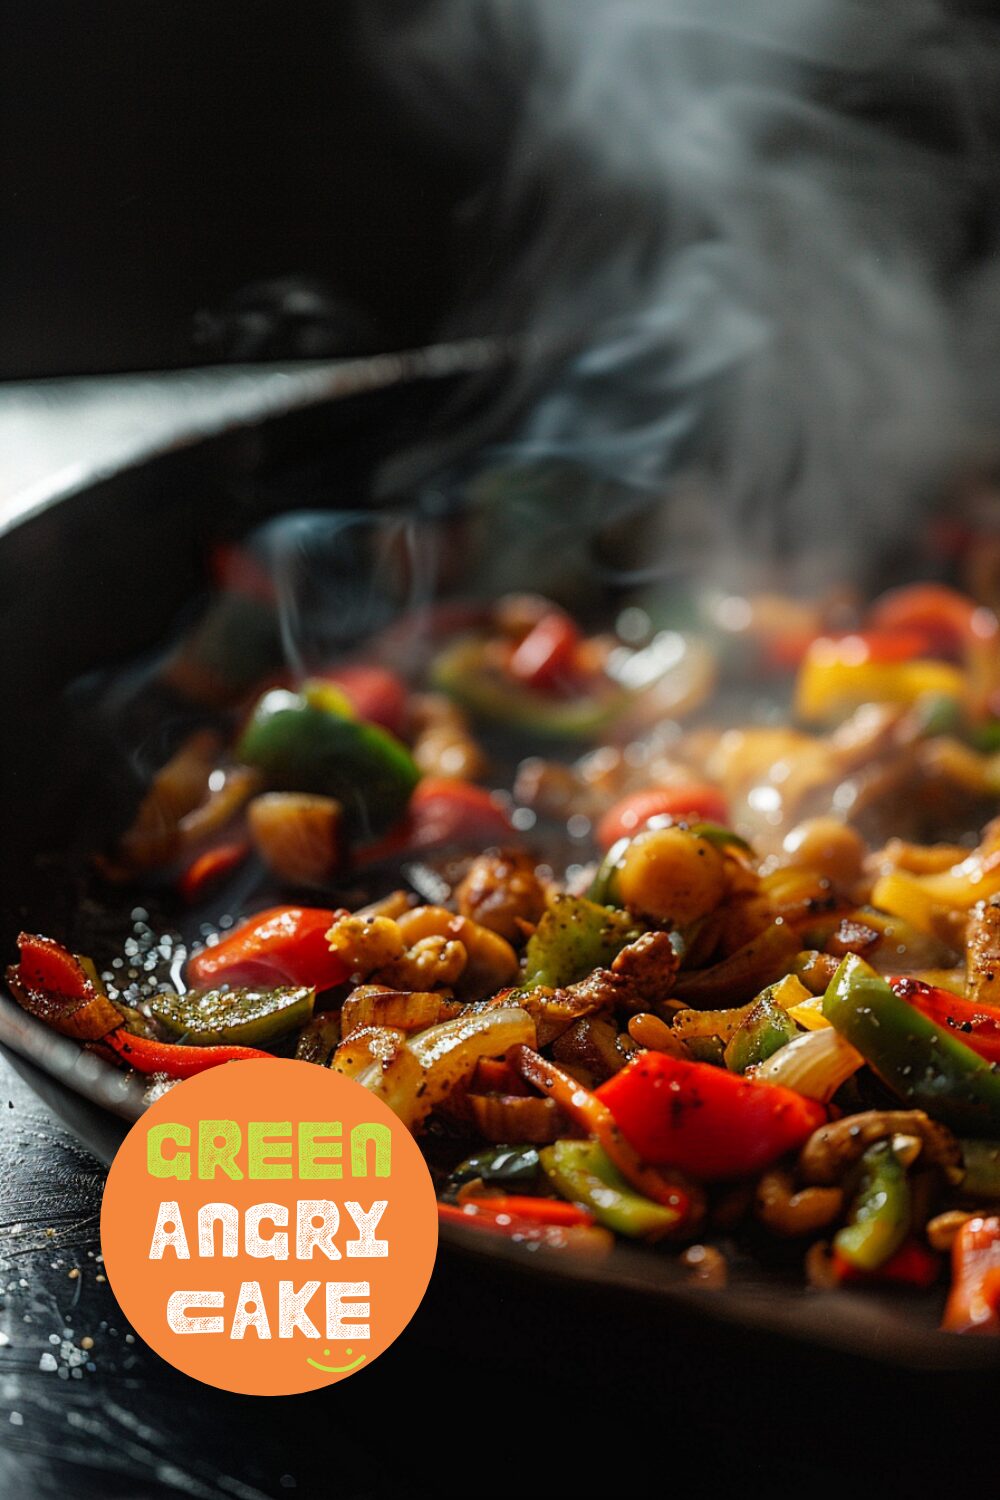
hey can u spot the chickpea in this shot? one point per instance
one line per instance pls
(825, 845)
(671, 875)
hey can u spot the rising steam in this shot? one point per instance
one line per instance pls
(767, 220)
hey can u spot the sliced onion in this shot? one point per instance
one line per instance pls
(297, 835)
(365, 1048)
(814, 1065)
(409, 1010)
(426, 1068)
(175, 791)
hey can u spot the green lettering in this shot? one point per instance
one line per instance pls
(317, 1150)
(176, 1165)
(218, 1143)
(380, 1137)
(266, 1135)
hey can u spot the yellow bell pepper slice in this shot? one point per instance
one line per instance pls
(831, 685)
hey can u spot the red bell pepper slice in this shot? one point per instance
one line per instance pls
(978, 1026)
(693, 799)
(592, 1116)
(537, 1210)
(61, 989)
(912, 1265)
(375, 693)
(284, 945)
(950, 621)
(211, 866)
(148, 1055)
(974, 1301)
(708, 1122)
(445, 811)
(578, 1235)
(545, 657)
(884, 646)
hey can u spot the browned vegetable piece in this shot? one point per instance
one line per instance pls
(501, 891)
(390, 906)
(367, 1045)
(641, 976)
(297, 835)
(591, 1044)
(62, 989)
(407, 1010)
(826, 845)
(651, 1032)
(443, 744)
(430, 963)
(176, 790)
(222, 804)
(942, 1229)
(815, 969)
(983, 952)
(744, 974)
(515, 1119)
(852, 936)
(671, 875)
(918, 859)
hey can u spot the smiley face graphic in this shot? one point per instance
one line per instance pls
(337, 1369)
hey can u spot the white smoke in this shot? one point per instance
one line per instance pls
(768, 221)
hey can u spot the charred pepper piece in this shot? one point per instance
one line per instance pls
(61, 989)
(759, 1035)
(239, 1017)
(148, 1055)
(514, 1168)
(574, 937)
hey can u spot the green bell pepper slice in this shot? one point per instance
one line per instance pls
(238, 1017)
(574, 937)
(759, 1035)
(303, 744)
(982, 1169)
(465, 674)
(581, 1172)
(919, 1061)
(880, 1213)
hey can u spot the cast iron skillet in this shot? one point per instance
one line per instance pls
(92, 575)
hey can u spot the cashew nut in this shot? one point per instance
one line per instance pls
(835, 1147)
(788, 1212)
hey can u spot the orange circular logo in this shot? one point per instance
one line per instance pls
(269, 1227)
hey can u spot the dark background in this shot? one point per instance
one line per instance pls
(158, 158)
